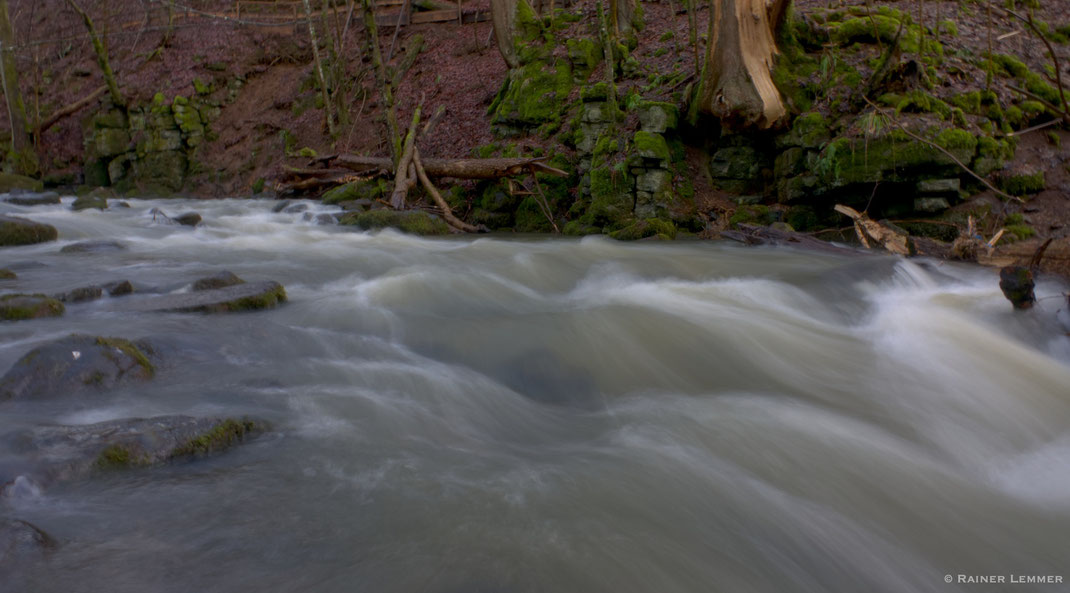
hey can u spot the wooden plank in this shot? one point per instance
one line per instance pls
(434, 16)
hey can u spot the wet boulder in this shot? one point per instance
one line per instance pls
(19, 231)
(81, 294)
(101, 246)
(77, 365)
(322, 219)
(188, 219)
(90, 201)
(21, 542)
(48, 454)
(18, 307)
(1017, 285)
(414, 222)
(242, 297)
(119, 288)
(6, 274)
(221, 280)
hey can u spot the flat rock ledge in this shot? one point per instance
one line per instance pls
(77, 365)
(242, 297)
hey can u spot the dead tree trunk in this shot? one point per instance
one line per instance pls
(737, 84)
(24, 157)
(503, 17)
(102, 56)
(456, 168)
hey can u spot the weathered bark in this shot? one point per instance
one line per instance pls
(737, 85)
(25, 158)
(503, 17)
(456, 168)
(102, 56)
(328, 107)
(621, 14)
(404, 180)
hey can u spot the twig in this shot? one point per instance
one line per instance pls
(1031, 128)
(943, 150)
(543, 204)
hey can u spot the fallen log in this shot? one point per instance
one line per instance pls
(456, 168)
(872, 232)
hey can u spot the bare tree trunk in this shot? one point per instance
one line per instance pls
(25, 158)
(102, 56)
(737, 85)
(503, 17)
(382, 78)
(621, 14)
(328, 107)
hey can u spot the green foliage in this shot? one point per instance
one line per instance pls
(1024, 184)
(1018, 232)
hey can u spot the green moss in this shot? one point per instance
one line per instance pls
(1018, 232)
(409, 221)
(21, 232)
(530, 217)
(201, 87)
(19, 307)
(258, 185)
(114, 457)
(922, 102)
(956, 139)
(264, 300)
(594, 92)
(533, 95)
(132, 351)
(651, 146)
(585, 55)
(10, 181)
(222, 436)
(1024, 184)
(651, 227)
(757, 214)
(307, 153)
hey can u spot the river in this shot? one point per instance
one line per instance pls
(532, 414)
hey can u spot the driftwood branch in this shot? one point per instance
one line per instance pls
(946, 152)
(447, 213)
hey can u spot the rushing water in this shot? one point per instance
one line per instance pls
(499, 414)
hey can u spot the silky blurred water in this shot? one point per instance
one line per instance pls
(532, 414)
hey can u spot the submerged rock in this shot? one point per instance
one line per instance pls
(19, 231)
(80, 295)
(320, 219)
(188, 219)
(101, 246)
(242, 297)
(6, 274)
(17, 307)
(1017, 285)
(221, 280)
(21, 542)
(48, 454)
(119, 288)
(48, 199)
(76, 365)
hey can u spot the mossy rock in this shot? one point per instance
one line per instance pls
(530, 217)
(219, 280)
(77, 365)
(533, 95)
(356, 190)
(90, 201)
(109, 142)
(407, 221)
(758, 215)
(892, 157)
(652, 147)
(658, 117)
(645, 229)
(19, 231)
(6, 274)
(18, 307)
(249, 296)
(11, 181)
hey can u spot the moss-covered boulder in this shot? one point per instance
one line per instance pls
(249, 296)
(356, 190)
(90, 201)
(645, 229)
(6, 274)
(414, 222)
(892, 157)
(658, 117)
(19, 307)
(11, 181)
(53, 453)
(19, 231)
(77, 365)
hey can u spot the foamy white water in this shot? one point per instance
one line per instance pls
(497, 414)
